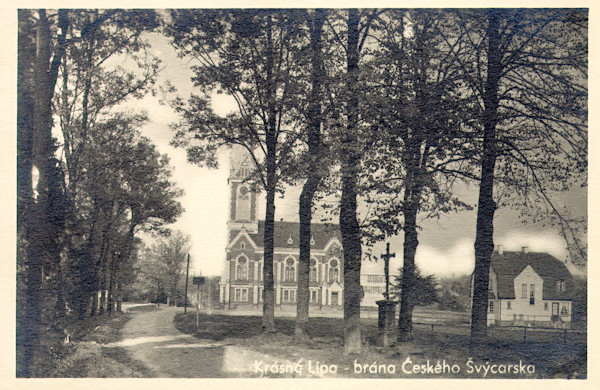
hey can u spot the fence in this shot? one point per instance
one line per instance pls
(525, 334)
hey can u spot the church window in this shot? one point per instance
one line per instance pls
(243, 245)
(334, 271)
(243, 204)
(241, 270)
(290, 270)
(289, 295)
(313, 271)
(241, 295)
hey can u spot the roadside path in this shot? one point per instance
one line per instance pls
(151, 337)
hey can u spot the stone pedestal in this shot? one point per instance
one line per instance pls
(387, 321)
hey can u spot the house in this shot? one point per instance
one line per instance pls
(529, 288)
(242, 279)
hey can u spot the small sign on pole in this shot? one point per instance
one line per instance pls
(199, 280)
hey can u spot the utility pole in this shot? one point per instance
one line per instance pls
(187, 276)
(386, 268)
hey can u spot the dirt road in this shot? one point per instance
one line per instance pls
(151, 337)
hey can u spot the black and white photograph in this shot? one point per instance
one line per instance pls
(292, 193)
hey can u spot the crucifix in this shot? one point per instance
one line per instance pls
(386, 268)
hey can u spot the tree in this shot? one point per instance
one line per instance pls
(416, 102)
(416, 145)
(40, 202)
(352, 144)
(163, 265)
(251, 56)
(314, 117)
(91, 85)
(425, 290)
(455, 293)
(528, 70)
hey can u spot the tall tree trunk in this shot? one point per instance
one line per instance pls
(111, 283)
(484, 240)
(314, 175)
(349, 227)
(25, 110)
(99, 266)
(87, 273)
(268, 321)
(408, 272)
(38, 229)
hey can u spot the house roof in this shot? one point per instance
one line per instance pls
(321, 233)
(510, 264)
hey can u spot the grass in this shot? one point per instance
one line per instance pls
(551, 357)
(87, 356)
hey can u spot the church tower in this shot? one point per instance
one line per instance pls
(243, 198)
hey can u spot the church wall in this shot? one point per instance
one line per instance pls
(233, 194)
(253, 204)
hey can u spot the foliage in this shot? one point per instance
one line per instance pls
(87, 174)
(252, 56)
(162, 266)
(425, 290)
(454, 293)
(528, 71)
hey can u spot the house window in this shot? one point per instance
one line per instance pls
(491, 306)
(241, 270)
(290, 270)
(532, 294)
(560, 286)
(508, 305)
(313, 271)
(313, 295)
(334, 271)
(260, 271)
(545, 305)
(523, 290)
(375, 278)
(564, 311)
(373, 289)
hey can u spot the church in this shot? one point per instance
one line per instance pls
(242, 280)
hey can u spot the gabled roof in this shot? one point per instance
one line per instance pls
(510, 264)
(240, 234)
(286, 234)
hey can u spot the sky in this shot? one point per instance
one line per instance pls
(446, 244)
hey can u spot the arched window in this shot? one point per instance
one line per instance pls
(290, 270)
(334, 271)
(243, 204)
(313, 271)
(241, 269)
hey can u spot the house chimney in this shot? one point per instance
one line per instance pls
(524, 249)
(500, 250)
